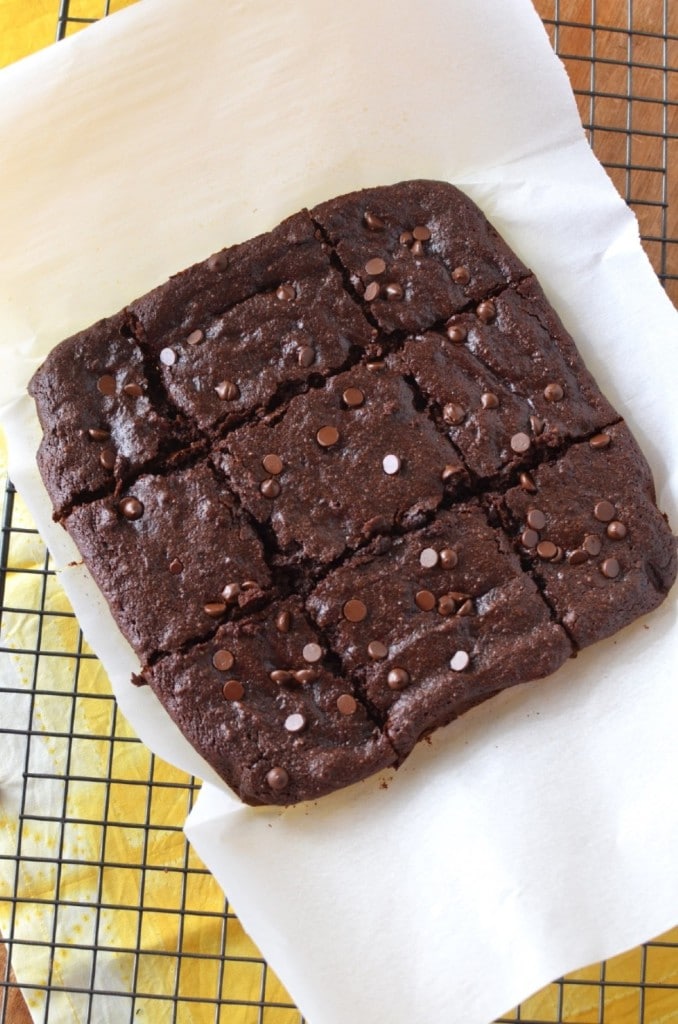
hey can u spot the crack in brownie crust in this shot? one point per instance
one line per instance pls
(344, 481)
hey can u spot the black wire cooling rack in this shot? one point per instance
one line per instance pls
(109, 915)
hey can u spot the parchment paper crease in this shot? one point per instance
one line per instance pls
(540, 832)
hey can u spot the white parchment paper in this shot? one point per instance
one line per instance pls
(539, 832)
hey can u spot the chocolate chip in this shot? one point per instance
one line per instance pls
(610, 568)
(375, 266)
(398, 679)
(195, 337)
(466, 608)
(312, 653)
(176, 566)
(353, 397)
(168, 356)
(277, 779)
(448, 558)
(273, 464)
(132, 390)
(446, 605)
(547, 550)
(529, 538)
(592, 545)
(219, 261)
(281, 675)
(520, 443)
(391, 464)
(616, 530)
(428, 558)
(327, 437)
(371, 292)
(285, 292)
(461, 275)
(223, 660)
(231, 592)
(295, 722)
(425, 600)
(98, 435)
(449, 471)
(233, 689)
(417, 248)
(354, 610)
(406, 238)
(107, 458)
(393, 291)
(305, 356)
(227, 391)
(376, 650)
(346, 704)
(558, 556)
(454, 414)
(375, 365)
(131, 508)
(537, 425)
(604, 511)
(373, 222)
(215, 609)
(553, 392)
(600, 440)
(489, 400)
(270, 488)
(527, 483)
(486, 311)
(536, 519)
(106, 384)
(456, 333)
(459, 661)
(578, 557)
(421, 233)
(283, 621)
(305, 675)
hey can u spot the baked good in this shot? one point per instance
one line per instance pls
(344, 481)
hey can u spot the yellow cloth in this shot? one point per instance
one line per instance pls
(153, 890)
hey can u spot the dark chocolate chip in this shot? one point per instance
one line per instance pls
(233, 689)
(281, 675)
(354, 610)
(604, 511)
(448, 558)
(578, 557)
(227, 391)
(285, 292)
(273, 464)
(461, 275)
(489, 400)
(277, 779)
(529, 538)
(305, 675)
(270, 488)
(353, 397)
(446, 605)
(305, 356)
(398, 679)
(600, 440)
(454, 414)
(527, 483)
(373, 222)
(132, 390)
(106, 384)
(393, 291)
(425, 600)
(376, 650)
(219, 261)
(553, 392)
(283, 621)
(536, 519)
(406, 238)
(592, 544)
(327, 436)
(231, 592)
(98, 435)
(417, 248)
(346, 704)
(456, 333)
(547, 550)
(223, 660)
(610, 568)
(176, 566)
(421, 233)
(616, 530)
(466, 608)
(486, 311)
(131, 508)
(215, 609)
(371, 292)
(375, 266)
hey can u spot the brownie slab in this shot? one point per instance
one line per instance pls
(593, 537)
(356, 458)
(436, 621)
(261, 705)
(164, 551)
(344, 481)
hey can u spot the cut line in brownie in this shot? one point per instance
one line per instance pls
(367, 425)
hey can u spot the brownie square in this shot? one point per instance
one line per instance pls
(261, 702)
(163, 553)
(439, 252)
(101, 421)
(435, 621)
(349, 460)
(592, 536)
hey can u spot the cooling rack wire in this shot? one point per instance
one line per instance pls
(102, 901)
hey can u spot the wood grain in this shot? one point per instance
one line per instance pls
(13, 1008)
